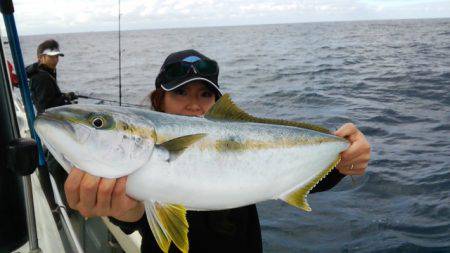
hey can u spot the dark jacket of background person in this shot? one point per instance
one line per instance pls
(232, 230)
(45, 92)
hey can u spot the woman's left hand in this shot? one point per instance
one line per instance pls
(355, 159)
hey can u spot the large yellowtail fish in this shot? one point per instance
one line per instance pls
(223, 160)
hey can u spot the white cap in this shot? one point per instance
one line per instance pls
(52, 52)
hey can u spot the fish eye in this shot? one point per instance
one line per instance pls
(98, 122)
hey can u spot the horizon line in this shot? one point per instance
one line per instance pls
(237, 25)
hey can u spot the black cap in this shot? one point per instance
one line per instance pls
(169, 85)
(49, 47)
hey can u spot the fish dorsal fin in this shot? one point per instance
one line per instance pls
(178, 145)
(168, 224)
(297, 197)
(226, 109)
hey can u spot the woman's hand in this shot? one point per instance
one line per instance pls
(94, 196)
(355, 159)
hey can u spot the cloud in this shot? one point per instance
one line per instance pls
(55, 16)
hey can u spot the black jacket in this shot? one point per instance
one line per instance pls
(233, 230)
(45, 92)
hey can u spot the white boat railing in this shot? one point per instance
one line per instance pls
(65, 221)
(31, 220)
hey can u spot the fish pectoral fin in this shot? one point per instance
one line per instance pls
(181, 143)
(226, 109)
(178, 145)
(297, 197)
(168, 224)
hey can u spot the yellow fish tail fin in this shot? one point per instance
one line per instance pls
(168, 224)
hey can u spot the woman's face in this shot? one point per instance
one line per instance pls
(193, 99)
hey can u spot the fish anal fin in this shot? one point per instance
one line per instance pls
(297, 197)
(168, 224)
(226, 109)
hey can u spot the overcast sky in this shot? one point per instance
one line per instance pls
(58, 16)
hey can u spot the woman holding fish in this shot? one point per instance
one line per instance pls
(188, 85)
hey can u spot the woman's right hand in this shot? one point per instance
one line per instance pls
(95, 196)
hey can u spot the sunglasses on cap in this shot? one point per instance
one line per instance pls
(190, 65)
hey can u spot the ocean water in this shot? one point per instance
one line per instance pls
(390, 78)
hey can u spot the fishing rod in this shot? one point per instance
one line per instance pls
(120, 61)
(108, 100)
(7, 9)
(19, 65)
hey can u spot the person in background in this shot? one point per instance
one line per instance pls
(45, 93)
(43, 83)
(187, 84)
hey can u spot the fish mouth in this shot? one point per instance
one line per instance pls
(51, 116)
(61, 121)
